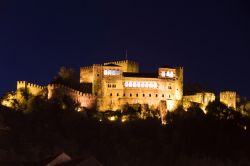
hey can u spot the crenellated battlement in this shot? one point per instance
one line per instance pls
(21, 82)
(86, 67)
(86, 100)
(35, 86)
(121, 62)
(34, 89)
(70, 90)
(97, 65)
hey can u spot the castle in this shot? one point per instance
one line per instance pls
(119, 83)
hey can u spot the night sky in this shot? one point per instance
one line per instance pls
(210, 39)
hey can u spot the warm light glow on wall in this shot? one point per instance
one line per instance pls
(111, 72)
(177, 95)
(112, 118)
(140, 84)
(124, 119)
(170, 105)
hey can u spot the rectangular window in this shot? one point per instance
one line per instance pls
(110, 94)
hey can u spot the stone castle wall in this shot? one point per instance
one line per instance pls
(86, 100)
(34, 89)
(115, 94)
(229, 98)
(86, 74)
(201, 98)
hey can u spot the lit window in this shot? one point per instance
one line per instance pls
(168, 74)
(109, 72)
(150, 85)
(172, 74)
(134, 84)
(163, 74)
(146, 84)
(155, 85)
(142, 84)
(113, 72)
(105, 72)
(126, 84)
(138, 84)
(130, 83)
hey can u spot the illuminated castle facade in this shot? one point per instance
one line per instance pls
(115, 85)
(119, 83)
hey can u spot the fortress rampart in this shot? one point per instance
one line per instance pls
(86, 100)
(200, 98)
(34, 89)
(228, 98)
(121, 62)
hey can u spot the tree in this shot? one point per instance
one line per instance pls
(67, 76)
(220, 111)
(195, 112)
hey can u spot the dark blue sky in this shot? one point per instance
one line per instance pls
(210, 39)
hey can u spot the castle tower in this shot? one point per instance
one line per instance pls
(228, 98)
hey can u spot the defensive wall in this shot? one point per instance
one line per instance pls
(229, 98)
(33, 89)
(200, 98)
(86, 100)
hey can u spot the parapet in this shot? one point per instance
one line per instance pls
(122, 61)
(86, 67)
(25, 84)
(86, 100)
(97, 65)
(69, 90)
(228, 93)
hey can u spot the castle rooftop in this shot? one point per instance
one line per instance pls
(111, 64)
(143, 75)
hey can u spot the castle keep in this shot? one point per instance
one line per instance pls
(118, 83)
